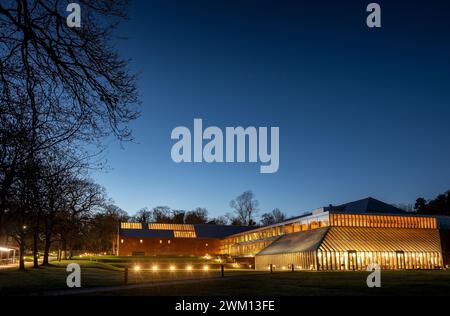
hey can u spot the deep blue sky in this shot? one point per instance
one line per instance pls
(362, 112)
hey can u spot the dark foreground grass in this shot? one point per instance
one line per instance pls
(237, 282)
(93, 274)
(14, 282)
(308, 284)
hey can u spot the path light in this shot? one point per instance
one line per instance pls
(137, 268)
(189, 268)
(172, 268)
(155, 268)
(206, 268)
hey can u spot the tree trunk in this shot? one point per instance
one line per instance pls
(21, 256)
(35, 249)
(48, 243)
(64, 248)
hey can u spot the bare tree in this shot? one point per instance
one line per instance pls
(144, 215)
(161, 214)
(197, 216)
(276, 216)
(245, 207)
(84, 199)
(59, 85)
(220, 220)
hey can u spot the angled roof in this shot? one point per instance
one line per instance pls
(367, 205)
(361, 239)
(297, 242)
(387, 239)
(146, 233)
(218, 231)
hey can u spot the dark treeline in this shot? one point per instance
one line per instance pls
(437, 206)
(244, 210)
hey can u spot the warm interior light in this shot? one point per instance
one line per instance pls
(137, 268)
(206, 268)
(4, 249)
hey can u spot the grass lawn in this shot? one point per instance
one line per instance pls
(32, 280)
(94, 274)
(308, 284)
(240, 282)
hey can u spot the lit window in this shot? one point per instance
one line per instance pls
(131, 225)
(121, 241)
(182, 227)
(184, 234)
(206, 245)
(169, 242)
(160, 241)
(141, 241)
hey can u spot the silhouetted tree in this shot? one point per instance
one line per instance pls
(276, 216)
(161, 214)
(197, 216)
(220, 220)
(59, 86)
(144, 215)
(245, 207)
(438, 206)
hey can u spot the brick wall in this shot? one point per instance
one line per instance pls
(168, 247)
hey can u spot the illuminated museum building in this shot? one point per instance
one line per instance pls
(346, 237)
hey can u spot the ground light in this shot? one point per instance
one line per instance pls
(172, 268)
(189, 268)
(206, 268)
(155, 268)
(137, 268)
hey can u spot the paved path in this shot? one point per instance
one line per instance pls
(82, 291)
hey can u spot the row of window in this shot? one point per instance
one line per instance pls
(159, 226)
(184, 234)
(177, 227)
(380, 221)
(169, 242)
(131, 225)
(353, 260)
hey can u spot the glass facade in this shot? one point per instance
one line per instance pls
(184, 234)
(178, 227)
(250, 243)
(131, 226)
(382, 221)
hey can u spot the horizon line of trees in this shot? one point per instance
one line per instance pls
(244, 208)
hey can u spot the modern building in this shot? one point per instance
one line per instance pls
(345, 237)
(154, 239)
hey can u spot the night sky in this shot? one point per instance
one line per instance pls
(362, 112)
